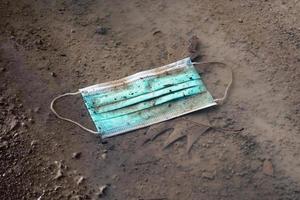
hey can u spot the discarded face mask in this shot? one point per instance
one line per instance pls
(143, 99)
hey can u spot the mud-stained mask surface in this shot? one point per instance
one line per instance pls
(146, 98)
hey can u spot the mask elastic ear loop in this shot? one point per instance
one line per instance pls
(222, 99)
(67, 119)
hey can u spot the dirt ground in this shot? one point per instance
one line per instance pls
(51, 47)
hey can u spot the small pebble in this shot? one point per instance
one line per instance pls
(80, 180)
(4, 145)
(115, 177)
(118, 44)
(13, 124)
(57, 187)
(23, 124)
(76, 155)
(30, 120)
(104, 156)
(102, 190)
(59, 173)
(37, 109)
(33, 143)
(268, 168)
(156, 32)
(208, 175)
(101, 30)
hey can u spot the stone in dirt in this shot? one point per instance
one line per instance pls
(102, 190)
(33, 143)
(193, 47)
(101, 30)
(37, 109)
(268, 168)
(193, 44)
(76, 155)
(13, 124)
(4, 145)
(156, 32)
(30, 120)
(59, 173)
(104, 156)
(53, 74)
(80, 180)
(208, 175)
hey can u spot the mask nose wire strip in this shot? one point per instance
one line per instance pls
(67, 119)
(222, 99)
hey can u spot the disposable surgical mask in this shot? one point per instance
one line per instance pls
(143, 99)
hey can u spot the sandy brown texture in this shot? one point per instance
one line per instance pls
(51, 47)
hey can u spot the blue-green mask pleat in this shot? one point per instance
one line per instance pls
(157, 113)
(147, 96)
(140, 87)
(147, 104)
